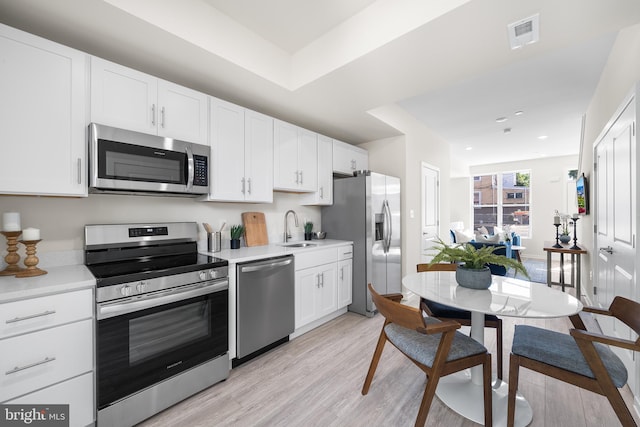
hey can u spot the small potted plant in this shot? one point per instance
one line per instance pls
(565, 234)
(473, 271)
(308, 230)
(236, 234)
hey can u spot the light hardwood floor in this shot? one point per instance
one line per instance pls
(315, 380)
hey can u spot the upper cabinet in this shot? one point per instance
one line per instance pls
(295, 158)
(128, 99)
(241, 154)
(42, 113)
(347, 158)
(324, 194)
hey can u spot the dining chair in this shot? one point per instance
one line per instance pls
(581, 358)
(435, 346)
(442, 311)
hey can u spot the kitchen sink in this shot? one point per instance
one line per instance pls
(299, 245)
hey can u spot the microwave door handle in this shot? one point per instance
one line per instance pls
(190, 168)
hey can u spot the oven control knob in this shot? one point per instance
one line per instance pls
(141, 287)
(126, 290)
(203, 275)
(212, 274)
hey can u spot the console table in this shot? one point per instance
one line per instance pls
(575, 265)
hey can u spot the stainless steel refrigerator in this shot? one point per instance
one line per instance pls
(366, 210)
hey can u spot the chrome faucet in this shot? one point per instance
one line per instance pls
(287, 235)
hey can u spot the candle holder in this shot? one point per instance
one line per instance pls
(12, 258)
(575, 236)
(557, 245)
(31, 261)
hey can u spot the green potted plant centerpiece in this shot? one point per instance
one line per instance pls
(308, 230)
(236, 233)
(473, 271)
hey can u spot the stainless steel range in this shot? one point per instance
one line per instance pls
(162, 318)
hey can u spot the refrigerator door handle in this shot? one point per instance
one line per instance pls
(387, 228)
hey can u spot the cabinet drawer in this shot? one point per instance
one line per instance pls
(39, 359)
(313, 258)
(77, 393)
(345, 252)
(29, 315)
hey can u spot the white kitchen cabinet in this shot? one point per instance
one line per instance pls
(242, 154)
(43, 113)
(129, 99)
(347, 158)
(345, 275)
(47, 352)
(324, 194)
(316, 293)
(295, 158)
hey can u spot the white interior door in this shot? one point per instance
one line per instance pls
(430, 209)
(615, 200)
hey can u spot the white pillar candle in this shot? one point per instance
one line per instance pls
(11, 221)
(575, 216)
(31, 234)
(556, 219)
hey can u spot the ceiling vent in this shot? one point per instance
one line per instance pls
(524, 31)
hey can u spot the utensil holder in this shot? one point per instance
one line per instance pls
(214, 241)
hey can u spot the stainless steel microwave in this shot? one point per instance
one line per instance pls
(127, 162)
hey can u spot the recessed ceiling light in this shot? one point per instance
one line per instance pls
(519, 113)
(501, 119)
(543, 137)
(468, 148)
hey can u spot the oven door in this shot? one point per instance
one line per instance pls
(144, 340)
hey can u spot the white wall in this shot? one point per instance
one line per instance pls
(548, 193)
(621, 72)
(62, 220)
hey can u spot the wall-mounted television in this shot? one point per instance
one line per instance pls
(582, 193)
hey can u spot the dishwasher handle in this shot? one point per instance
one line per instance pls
(266, 266)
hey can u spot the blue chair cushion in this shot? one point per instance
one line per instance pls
(561, 350)
(422, 347)
(501, 249)
(448, 312)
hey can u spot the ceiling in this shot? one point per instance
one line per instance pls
(329, 65)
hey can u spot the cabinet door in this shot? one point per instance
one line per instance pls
(285, 156)
(227, 151)
(307, 285)
(327, 298)
(258, 157)
(182, 113)
(324, 194)
(308, 160)
(345, 274)
(348, 159)
(122, 97)
(42, 116)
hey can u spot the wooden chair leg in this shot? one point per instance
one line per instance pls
(488, 392)
(514, 371)
(374, 362)
(427, 398)
(620, 407)
(499, 348)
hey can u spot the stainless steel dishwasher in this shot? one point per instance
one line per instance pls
(265, 306)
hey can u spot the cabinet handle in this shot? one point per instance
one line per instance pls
(79, 170)
(341, 273)
(22, 368)
(153, 114)
(249, 185)
(322, 192)
(32, 316)
(297, 178)
(353, 164)
(162, 117)
(242, 180)
(317, 280)
(322, 279)
(300, 177)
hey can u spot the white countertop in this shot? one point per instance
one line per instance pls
(58, 279)
(253, 253)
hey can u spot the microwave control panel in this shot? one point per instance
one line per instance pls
(200, 171)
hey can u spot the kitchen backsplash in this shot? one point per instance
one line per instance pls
(61, 220)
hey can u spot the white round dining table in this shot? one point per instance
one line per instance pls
(506, 296)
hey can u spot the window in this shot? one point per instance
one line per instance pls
(503, 199)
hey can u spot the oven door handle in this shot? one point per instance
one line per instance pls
(112, 309)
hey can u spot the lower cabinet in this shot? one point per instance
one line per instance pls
(323, 283)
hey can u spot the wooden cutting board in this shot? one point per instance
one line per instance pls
(255, 229)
